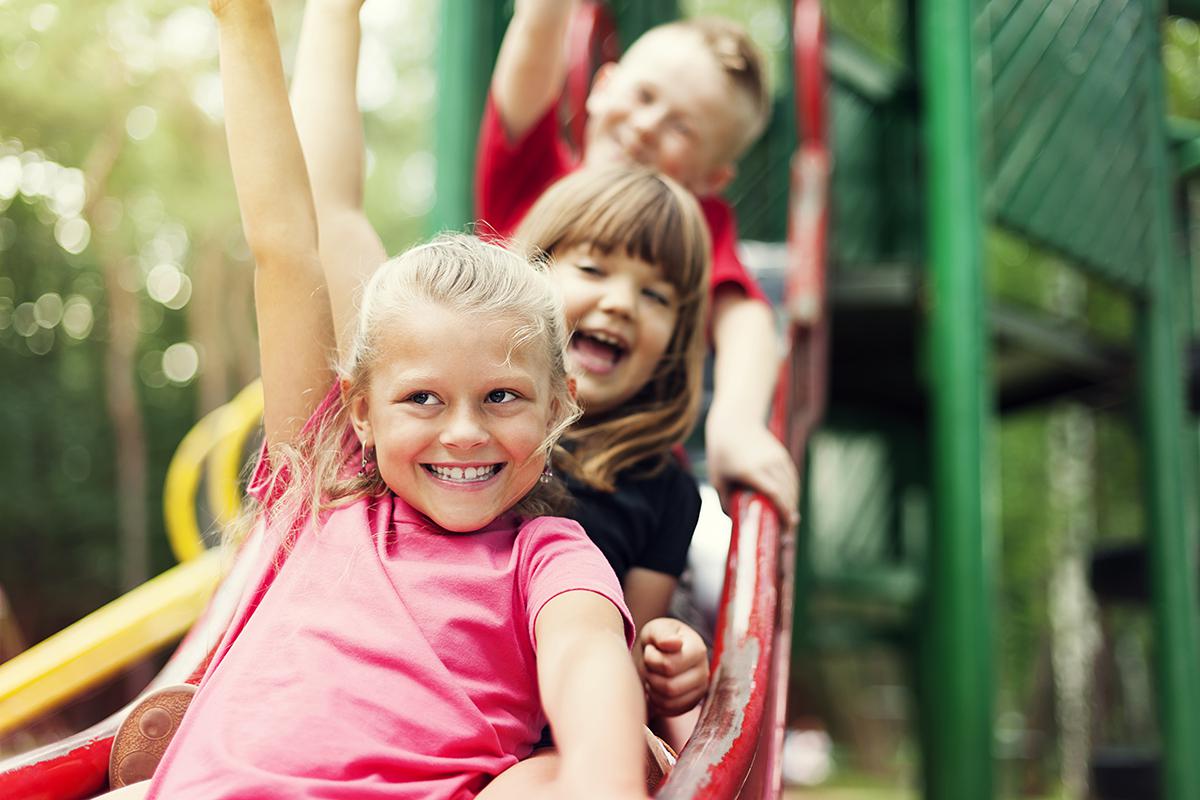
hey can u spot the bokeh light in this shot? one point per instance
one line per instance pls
(180, 362)
(41, 341)
(141, 122)
(26, 55)
(25, 319)
(10, 176)
(48, 310)
(43, 17)
(78, 317)
(72, 234)
(163, 282)
(150, 369)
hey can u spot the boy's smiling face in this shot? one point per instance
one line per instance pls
(668, 105)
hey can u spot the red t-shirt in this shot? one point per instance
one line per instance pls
(510, 176)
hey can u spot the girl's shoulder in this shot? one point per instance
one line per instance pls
(536, 528)
(548, 535)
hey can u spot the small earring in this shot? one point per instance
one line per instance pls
(362, 469)
(547, 474)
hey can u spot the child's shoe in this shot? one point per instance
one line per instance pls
(143, 737)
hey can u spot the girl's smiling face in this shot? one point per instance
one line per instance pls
(456, 415)
(621, 312)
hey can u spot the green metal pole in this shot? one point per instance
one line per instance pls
(959, 623)
(1171, 546)
(467, 45)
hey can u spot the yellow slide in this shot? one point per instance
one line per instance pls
(162, 609)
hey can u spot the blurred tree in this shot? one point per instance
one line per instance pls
(125, 286)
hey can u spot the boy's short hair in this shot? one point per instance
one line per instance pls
(740, 60)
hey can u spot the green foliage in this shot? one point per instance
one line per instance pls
(125, 98)
(1181, 54)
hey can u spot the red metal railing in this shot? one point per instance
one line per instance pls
(736, 748)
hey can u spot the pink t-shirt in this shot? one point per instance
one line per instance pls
(381, 657)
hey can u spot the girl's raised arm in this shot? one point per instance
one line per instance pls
(294, 324)
(331, 134)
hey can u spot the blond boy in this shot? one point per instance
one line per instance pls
(687, 98)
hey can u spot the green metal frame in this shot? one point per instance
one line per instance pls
(957, 646)
(1171, 545)
(922, 152)
(466, 51)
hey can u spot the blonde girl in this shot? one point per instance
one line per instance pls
(416, 621)
(636, 410)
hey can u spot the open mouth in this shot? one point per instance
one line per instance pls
(477, 474)
(597, 352)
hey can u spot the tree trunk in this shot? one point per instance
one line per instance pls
(121, 395)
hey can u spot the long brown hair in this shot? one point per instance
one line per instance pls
(650, 217)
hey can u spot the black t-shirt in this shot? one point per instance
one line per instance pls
(647, 522)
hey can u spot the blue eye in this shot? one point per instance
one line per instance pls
(501, 396)
(423, 398)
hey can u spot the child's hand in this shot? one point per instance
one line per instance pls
(745, 452)
(672, 663)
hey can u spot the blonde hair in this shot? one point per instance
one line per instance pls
(461, 274)
(650, 217)
(741, 61)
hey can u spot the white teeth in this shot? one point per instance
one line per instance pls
(601, 336)
(464, 475)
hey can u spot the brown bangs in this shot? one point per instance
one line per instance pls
(626, 210)
(652, 218)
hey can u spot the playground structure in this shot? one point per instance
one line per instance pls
(1046, 119)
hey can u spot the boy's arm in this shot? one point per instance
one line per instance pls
(531, 67)
(739, 447)
(330, 128)
(294, 325)
(591, 696)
